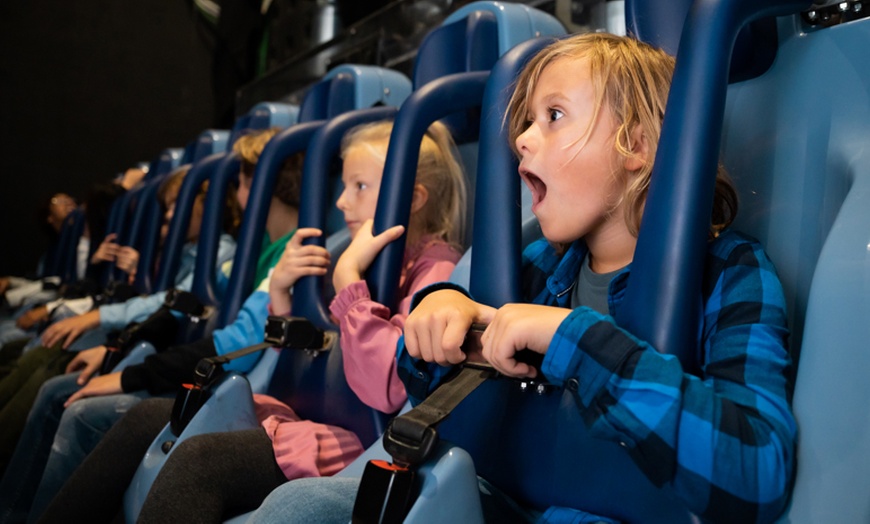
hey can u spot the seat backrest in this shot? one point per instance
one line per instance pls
(547, 469)
(796, 141)
(315, 385)
(166, 161)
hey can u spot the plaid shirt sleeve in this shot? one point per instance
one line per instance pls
(724, 441)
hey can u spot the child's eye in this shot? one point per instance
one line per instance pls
(361, 185)
(555, 114)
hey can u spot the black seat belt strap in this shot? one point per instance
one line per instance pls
(410, 438)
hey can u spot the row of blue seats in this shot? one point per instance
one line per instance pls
(801, 177)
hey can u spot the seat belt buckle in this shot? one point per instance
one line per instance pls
(294, 333)
(188, 401)
(409, 448)
(385, 493)
(184, 302)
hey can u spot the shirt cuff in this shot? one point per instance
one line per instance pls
(350, 295)
(134, 378)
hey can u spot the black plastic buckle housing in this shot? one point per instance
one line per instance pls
(385, 494)
(409, 442)
(184, 302)
(187, 403)
(293, 333)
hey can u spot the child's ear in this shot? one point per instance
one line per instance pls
(421, 196)
(639, 149)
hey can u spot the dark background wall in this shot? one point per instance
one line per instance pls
(88, 89)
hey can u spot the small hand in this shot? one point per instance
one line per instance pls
(107, 250)
(69, 329)
(88, 362)
(126, 259)
(32, 317)
(97, 387)
(360, 254)
(436, 328)
(296, 261)
(516, 327)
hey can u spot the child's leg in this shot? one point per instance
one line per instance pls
(28, 461)
(14, 412)
(110, 466)
(214, 476)
(81, 427)
(325, 500)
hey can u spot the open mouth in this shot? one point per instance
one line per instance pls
(535, 185)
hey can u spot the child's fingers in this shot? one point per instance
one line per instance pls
(70, 338)
(500, 348)
(311, 260)
(90, 370)
(452, 338)
(74, 365)
(303, 233)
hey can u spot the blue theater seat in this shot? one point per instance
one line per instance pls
(796, 142)
(166, 161)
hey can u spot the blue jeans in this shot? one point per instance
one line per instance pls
(25, 467)
(81, 428)
(328, 500)
(324, 500)
(83, 424)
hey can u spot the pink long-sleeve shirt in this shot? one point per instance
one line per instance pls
(369, 334)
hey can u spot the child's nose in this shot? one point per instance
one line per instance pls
(526, 141)
(341, 203)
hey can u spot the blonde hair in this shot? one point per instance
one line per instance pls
(631, 79)
(289, 184)
(438, 170)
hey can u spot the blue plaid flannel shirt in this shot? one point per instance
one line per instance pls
(725, 440)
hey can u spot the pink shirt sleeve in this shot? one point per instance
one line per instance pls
(370, 332)
(304, 448)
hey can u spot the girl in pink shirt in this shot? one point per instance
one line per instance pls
(369, 330)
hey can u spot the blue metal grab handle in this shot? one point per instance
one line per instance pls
(429, 103)
(177, 237)
(205, 274)
(663, 299)
(308, 296)
(250, 239)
